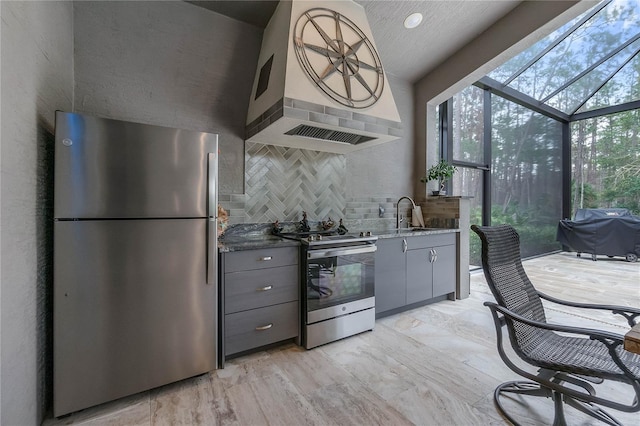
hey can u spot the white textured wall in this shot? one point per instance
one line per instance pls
(36, 79)
(168, 63)
(274, 42)
(389, 169)
(298, 84)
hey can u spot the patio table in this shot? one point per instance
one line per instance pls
(632, 340)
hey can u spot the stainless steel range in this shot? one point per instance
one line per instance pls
(337, 285)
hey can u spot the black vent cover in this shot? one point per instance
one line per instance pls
(326, 134)
(263, 80)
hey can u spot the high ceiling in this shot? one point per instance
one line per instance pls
(407, 54)
(590, 64)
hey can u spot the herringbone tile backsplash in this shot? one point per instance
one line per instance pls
(282, 182)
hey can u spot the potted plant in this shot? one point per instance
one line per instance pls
(440, 172)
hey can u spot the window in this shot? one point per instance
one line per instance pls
(468, 126)
(606, 162)
(468, 155)
(526, 175)
(553, 129)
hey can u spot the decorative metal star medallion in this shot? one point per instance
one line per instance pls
(338, 57)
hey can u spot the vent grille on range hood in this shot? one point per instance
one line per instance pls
(327, 134)
(288, 106)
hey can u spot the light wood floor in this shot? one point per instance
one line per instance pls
(435, 365)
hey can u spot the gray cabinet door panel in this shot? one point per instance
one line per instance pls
(260, 258)
(260, 287)
(407, 275)
(419, 282)
(390, 275)
(258, 327)
(444, 270)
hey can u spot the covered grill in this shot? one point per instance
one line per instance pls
(610, 232)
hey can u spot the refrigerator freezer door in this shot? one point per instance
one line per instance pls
(132, 308)
(117, 169)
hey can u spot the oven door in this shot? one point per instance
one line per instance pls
(337, 276)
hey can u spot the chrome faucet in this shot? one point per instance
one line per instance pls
(400, 219)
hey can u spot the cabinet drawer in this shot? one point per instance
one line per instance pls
(260, 258)
(259, 288)
(427, 241)
(258, 327)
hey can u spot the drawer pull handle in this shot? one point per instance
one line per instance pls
(269, 287)
(265, 258)
(264, 327)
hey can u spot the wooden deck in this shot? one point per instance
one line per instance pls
(436, 365)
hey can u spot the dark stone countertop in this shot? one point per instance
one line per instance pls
(252, 242)
(413, 232)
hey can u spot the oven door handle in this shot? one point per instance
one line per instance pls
(318, 254)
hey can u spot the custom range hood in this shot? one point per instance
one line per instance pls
(320, 84)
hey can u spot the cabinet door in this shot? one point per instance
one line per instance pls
(444, 270)
(390, 278)
(419, 268)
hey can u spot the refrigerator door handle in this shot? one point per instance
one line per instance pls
(212, 185)
(211, 251)
(212, 231)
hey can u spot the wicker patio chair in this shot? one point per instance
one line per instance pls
(568, 359)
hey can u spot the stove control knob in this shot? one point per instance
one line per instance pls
(362, 233)
(319, 237)
(368, 233)
(310, 238)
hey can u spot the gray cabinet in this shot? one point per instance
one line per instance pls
(260, 292)
(414, 269)
(419, 270)
(260, 326)
(390, 274)
(444, 270)
(246, 290)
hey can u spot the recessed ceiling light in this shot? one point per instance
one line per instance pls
(413, 20)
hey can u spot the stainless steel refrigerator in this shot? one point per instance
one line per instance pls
(135, 301)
